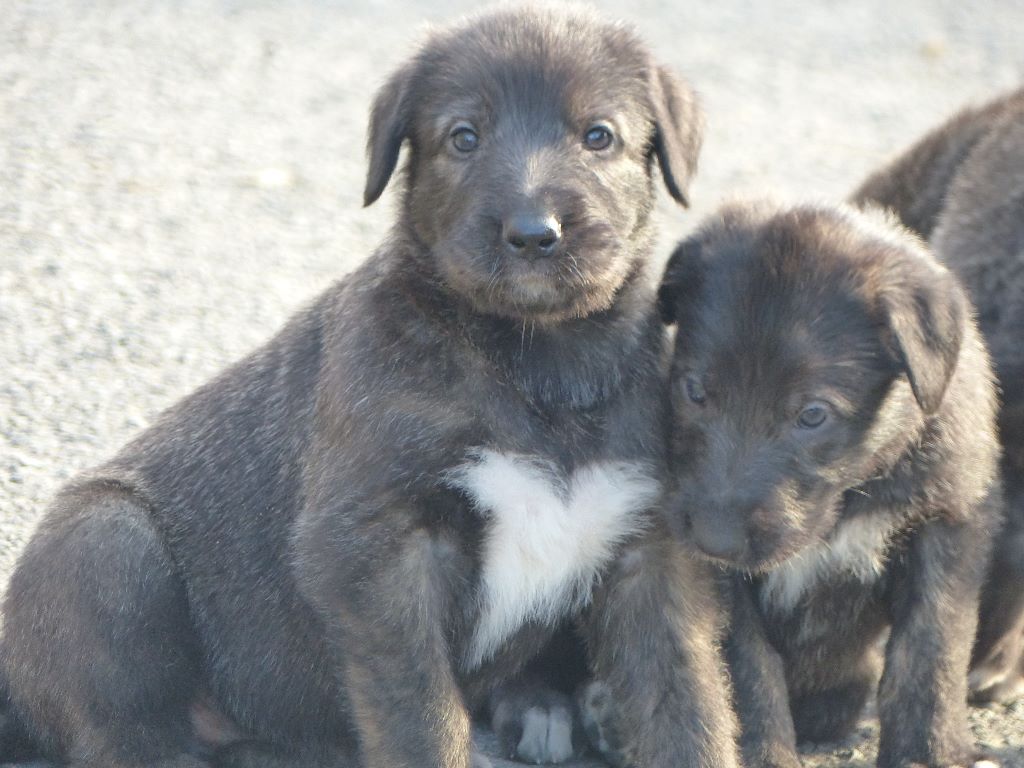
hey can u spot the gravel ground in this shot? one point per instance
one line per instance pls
(177, 178)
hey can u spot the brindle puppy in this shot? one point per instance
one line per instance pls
(333, 550)
(834, 446)
(962, 187)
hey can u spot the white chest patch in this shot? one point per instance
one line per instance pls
(856, 548)
(547, 536)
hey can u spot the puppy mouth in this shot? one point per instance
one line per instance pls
(749, 558)
(768, 563)
(750, 566)
(537, 272)
(582, 277)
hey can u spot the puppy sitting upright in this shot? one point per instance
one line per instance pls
(336, 545)
(834, 440)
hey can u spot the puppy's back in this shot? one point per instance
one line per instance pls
(980, 235)
(916, 184)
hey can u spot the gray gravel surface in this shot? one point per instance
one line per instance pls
(176, 178)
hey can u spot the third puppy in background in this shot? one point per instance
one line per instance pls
(834, 438)
(962, 188)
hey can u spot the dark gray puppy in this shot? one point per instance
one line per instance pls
(335, 549)
(962, 187)
(834, 447)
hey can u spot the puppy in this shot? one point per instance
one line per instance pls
(962, 187)
(335, 549)
(834, 447)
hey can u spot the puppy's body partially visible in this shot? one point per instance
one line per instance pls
(962, 188)
(324, 555)
(834, 446)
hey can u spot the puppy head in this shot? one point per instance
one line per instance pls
(811, 345)
(532, 140)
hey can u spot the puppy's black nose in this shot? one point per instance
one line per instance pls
(532, 236)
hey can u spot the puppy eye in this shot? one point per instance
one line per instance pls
(695, 390)
(465, 139)
(597, 138)
(812, 416)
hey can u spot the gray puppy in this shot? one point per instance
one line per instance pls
(962, 187)
(834, 447)
(333, 551)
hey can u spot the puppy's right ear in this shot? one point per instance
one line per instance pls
(682, 277)
(390, 123)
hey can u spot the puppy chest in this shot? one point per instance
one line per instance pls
(857, 550)
(547, 536)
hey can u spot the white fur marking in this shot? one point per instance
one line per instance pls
(548, 536)
(856, 547)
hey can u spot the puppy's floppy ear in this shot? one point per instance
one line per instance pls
(390, 124)
(926, 313)
(682, 277)
(678, 130)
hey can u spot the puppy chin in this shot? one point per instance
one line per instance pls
(545, 299)
(544, 291)
(796, 544)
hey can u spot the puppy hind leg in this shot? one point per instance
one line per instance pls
(98, 647)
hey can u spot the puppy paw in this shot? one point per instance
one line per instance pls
(996, 683)
(534, 724)
(478, 760)
(600, 718)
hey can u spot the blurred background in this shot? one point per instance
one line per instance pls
(176, 178)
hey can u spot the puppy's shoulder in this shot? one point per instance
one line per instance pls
(916, 183)
(981, 231)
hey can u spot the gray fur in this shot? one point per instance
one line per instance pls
(881, 517)
(280, 571)
(962, 187)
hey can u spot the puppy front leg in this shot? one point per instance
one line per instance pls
(382, 588)
(653, 636)
(922, 699)
(767, 734)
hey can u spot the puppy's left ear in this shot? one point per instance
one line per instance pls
(390, 125)
(678, 130)
(926, 311)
